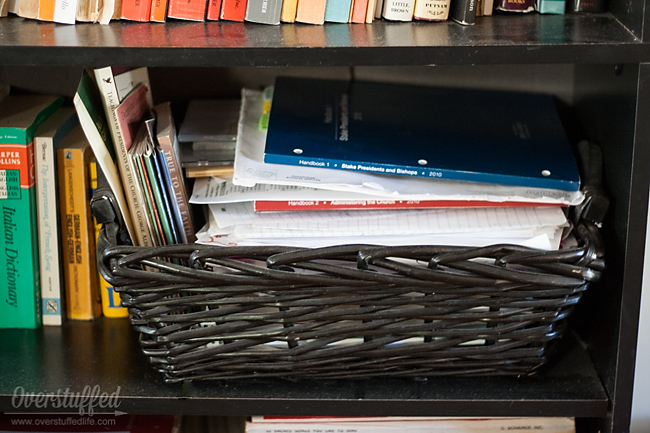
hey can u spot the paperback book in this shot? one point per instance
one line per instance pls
(495, 137)
(20, 290)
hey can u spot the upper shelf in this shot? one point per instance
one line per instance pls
(498, 39)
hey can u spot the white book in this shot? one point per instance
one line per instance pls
(398, 10)
(370, 11)
(133, 191)
(431, 10)
(65, 11)
(46, 138)
(379, 8)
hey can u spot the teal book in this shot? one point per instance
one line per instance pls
(20, 289)
(497, 137)
(556, 7)
(338, 11)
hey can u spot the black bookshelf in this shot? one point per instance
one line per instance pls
(106, 353)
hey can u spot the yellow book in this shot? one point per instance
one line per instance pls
(77, 228)
(111, 303)
(288, 13)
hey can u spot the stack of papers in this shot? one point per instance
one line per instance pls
(473, 214)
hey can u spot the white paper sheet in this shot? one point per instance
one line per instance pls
(250, 170)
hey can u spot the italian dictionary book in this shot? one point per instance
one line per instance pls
(440, 133)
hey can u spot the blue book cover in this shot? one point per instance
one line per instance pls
(337, 11)
(395, 129)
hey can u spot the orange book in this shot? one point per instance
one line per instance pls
(193, 10)
(74, 154)
(233, 10)
(358, 12)
(136, 10)
(214, 10)
(46, 10)
(158, 11)
(311, 11)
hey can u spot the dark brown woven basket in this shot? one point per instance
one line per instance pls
(352, 311)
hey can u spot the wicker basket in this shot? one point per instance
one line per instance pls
(353, 311)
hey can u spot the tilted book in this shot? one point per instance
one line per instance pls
(311, 11)
(74, 154)
(193, 10)
(337, 11)
(46, 139)
(20, 290)
(497, 137)
(264, 11)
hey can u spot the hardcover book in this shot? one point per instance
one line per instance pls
(136, 10)
(586, 6)
(192, 10)
(264, 11)
(288, 13)
(158, 11)
(337, 11)
(358, 11)
(83, 301)
(440, 133)
(46, 139)
(556, 7)
(464, 11)
(431, 10)
(233, 10)
(521, 6)
(214, 10)
(398, 10)
(20, 290)
(311, 11)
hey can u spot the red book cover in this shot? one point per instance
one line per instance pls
(359, 11)
(193, 10)
(379, 204)
(136, 10)
(233, 10)
(214, 10)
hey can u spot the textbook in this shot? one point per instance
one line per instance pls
(74, 154)
(486, 136)
(20, 290)
(46, 139)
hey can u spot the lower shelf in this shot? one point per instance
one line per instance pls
(105, 353)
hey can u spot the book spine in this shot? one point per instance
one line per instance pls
(233, 10)
(586, 6)
(46, 10)
(288, 13)
(264, 11)
(378, 204)
(19, 270)
(488, 7)
(521, 6)
(555, 7)
(214, 10)
(111, 303)
(431, 10)
(370, 11)
(311, 11)
(65, 11)
(379, 9)
(358, 12)
(158, 11)
(48, 229)
(337, 11)
(136, 10)
(432, 173)
(192, 10)
(398, 10)
(82, 296)
(110, 101)
(28, 9)
(464, 11)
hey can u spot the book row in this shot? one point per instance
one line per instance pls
(288, 11)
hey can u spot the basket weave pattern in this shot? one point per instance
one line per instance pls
(351, 311)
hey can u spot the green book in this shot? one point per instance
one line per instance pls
(20, 116)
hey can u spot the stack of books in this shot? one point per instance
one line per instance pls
(354, 162)
(276, 11)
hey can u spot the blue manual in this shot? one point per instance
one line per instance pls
(474, 135)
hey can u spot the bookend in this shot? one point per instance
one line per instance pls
(350, 311)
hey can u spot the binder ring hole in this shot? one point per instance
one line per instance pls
(297, 151)
(423, 162)
(546, 173)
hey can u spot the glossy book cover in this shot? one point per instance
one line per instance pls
(474, 135)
